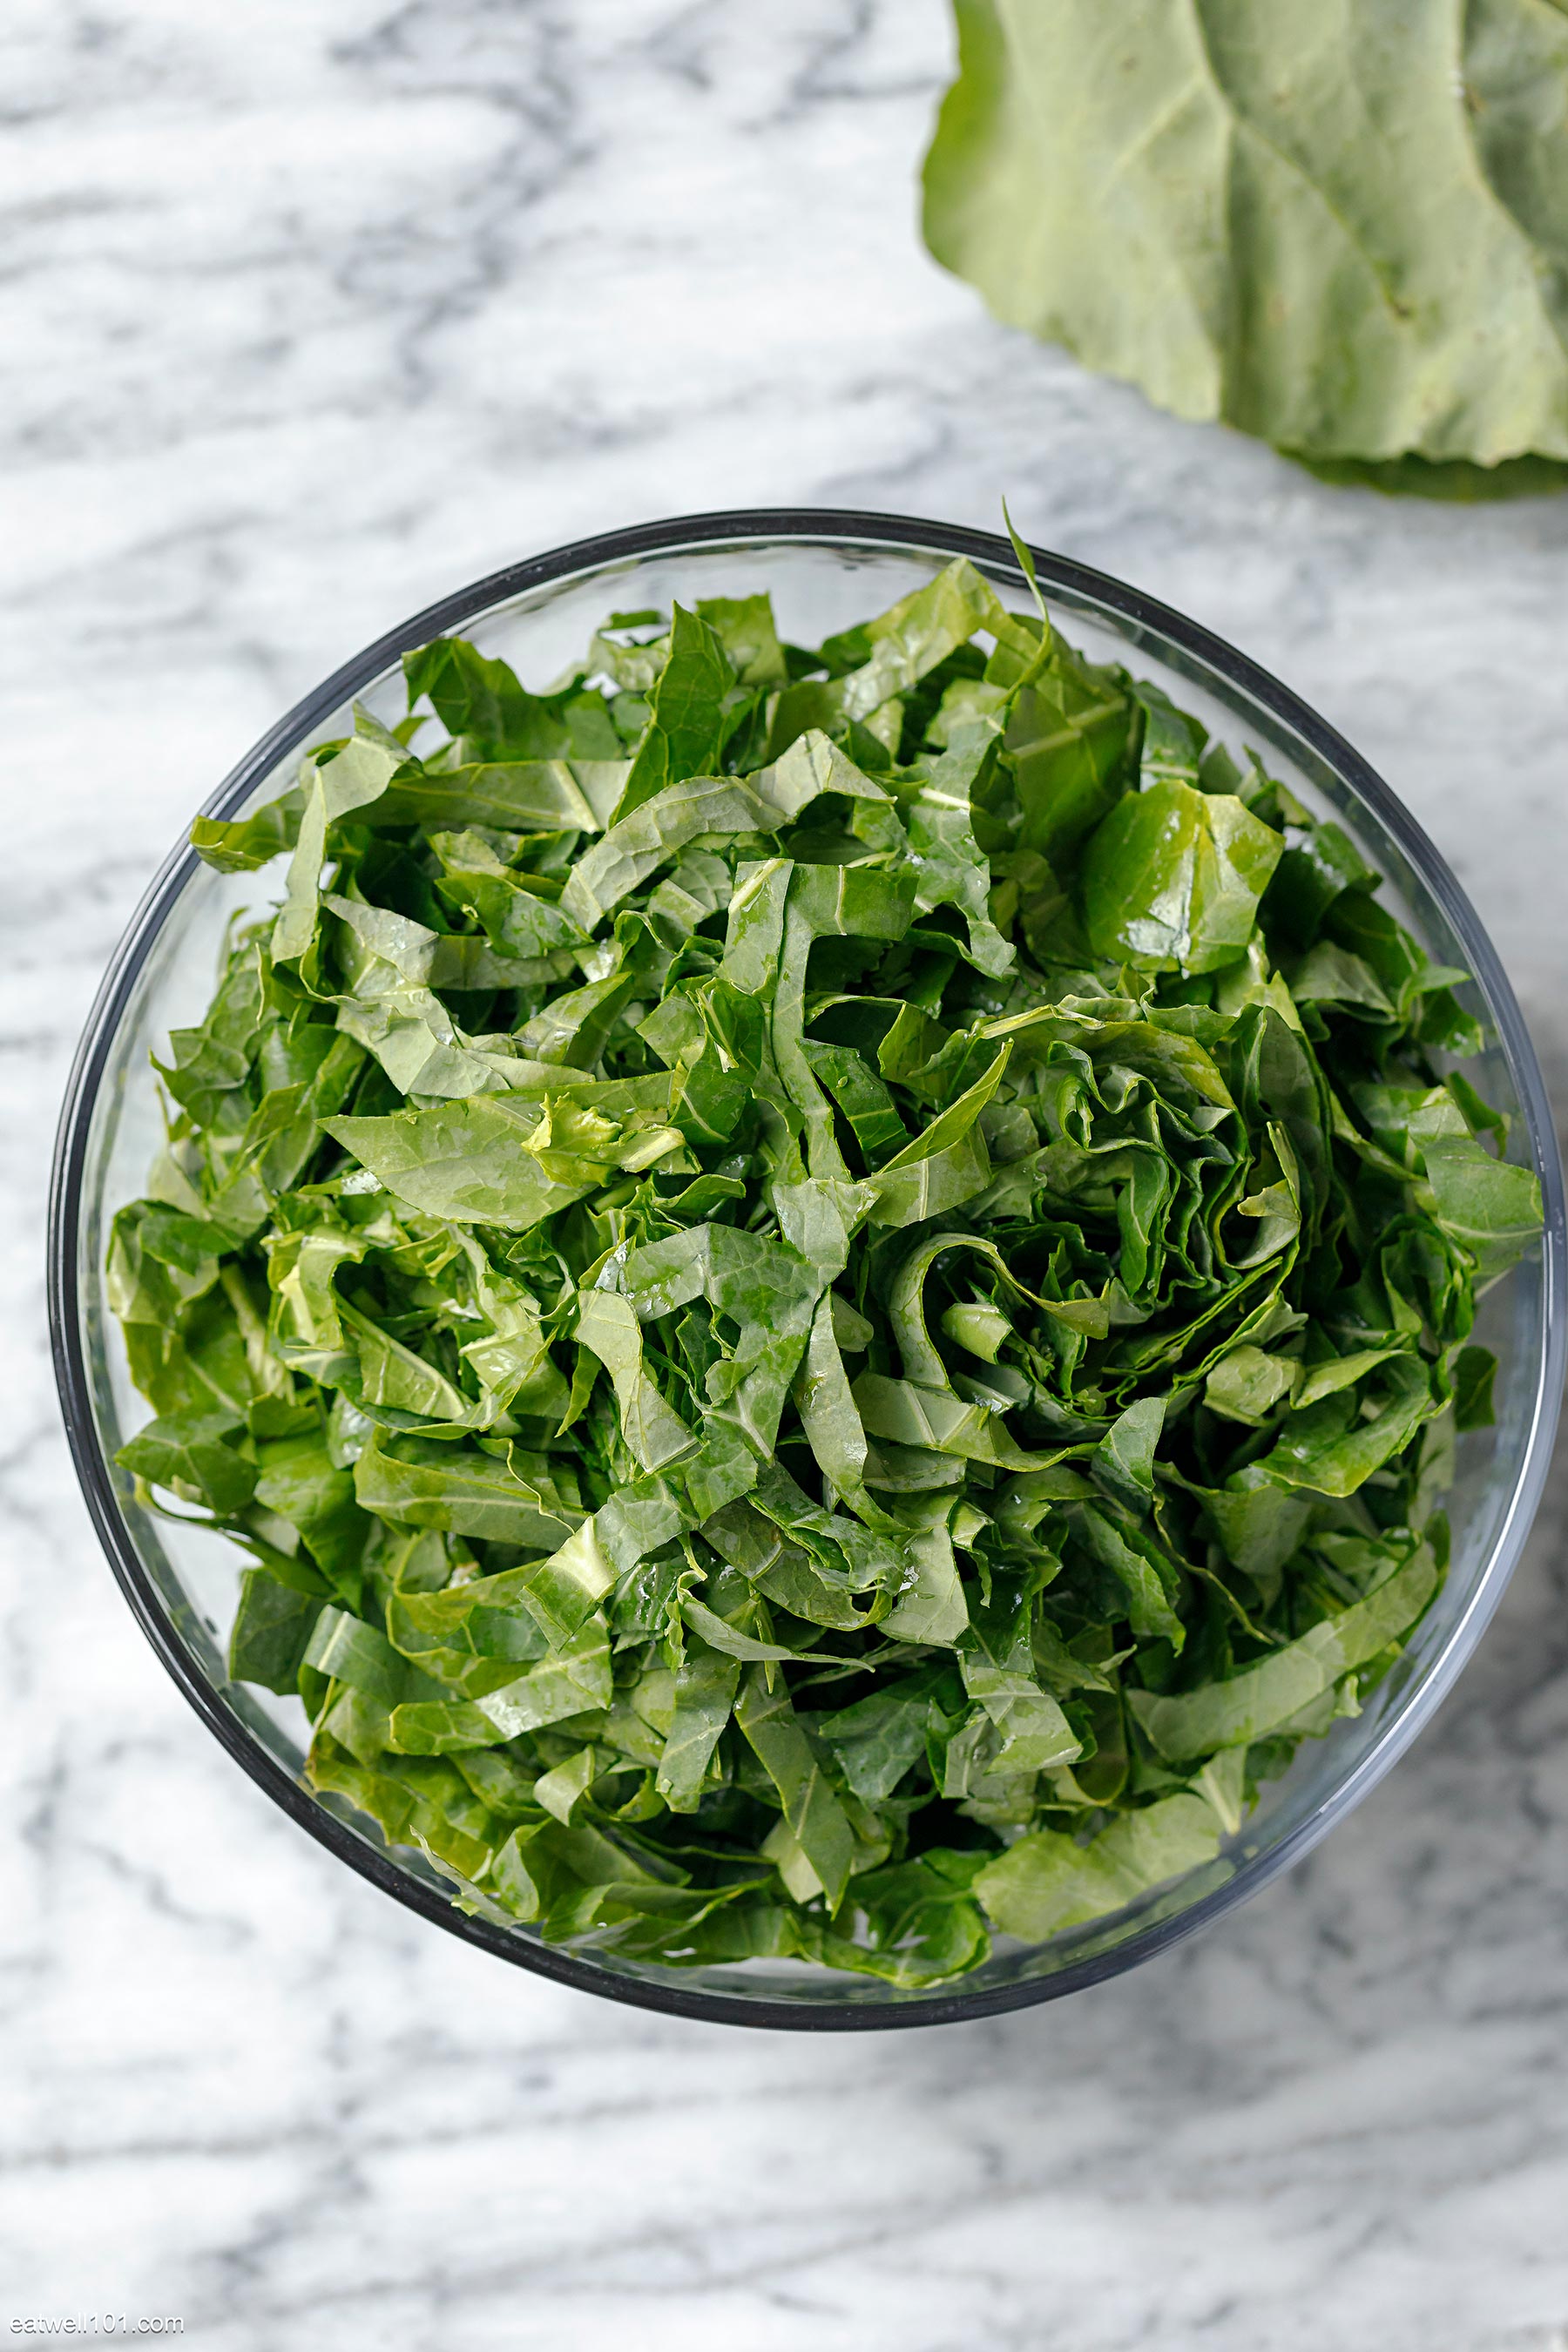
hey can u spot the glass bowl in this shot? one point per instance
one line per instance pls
(825, 570)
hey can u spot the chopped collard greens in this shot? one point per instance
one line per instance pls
(826, 1290)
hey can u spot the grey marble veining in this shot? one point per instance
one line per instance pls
(311, 313)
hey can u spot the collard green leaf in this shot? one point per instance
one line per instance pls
(244, 844)
(951, 869)
(1491, 1207)
(427, 1483)
(946, 1165)
(1329, 1446)
(271, 1632)
(745, 627)
(1473, 1377)
(877, 1739)
(1261, 1698)
(820, 1829)
(466, 1161)
(1219, 208)
(911, 638)
(1047, 1882)
(483, 702)
(572, 1680)
(1174, 875)
(512, 795)
(705, 1692)
(918, 1919)
(1259, 1525)
(998, 1669)
(358, 776)
(688, 714)
(1068, 734)
(190, 1454)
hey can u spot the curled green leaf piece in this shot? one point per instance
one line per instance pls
(825, 1292)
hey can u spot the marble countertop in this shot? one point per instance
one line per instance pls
(315, 310)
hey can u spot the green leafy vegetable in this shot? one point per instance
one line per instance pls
(822, 1291)
(1342, 230)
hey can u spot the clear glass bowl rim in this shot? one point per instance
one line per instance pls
(823, 527)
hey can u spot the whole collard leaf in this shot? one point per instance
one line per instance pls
(1343, 228)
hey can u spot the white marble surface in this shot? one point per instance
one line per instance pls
(314, 309)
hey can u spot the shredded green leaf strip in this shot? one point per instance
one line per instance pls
(825, 1292)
